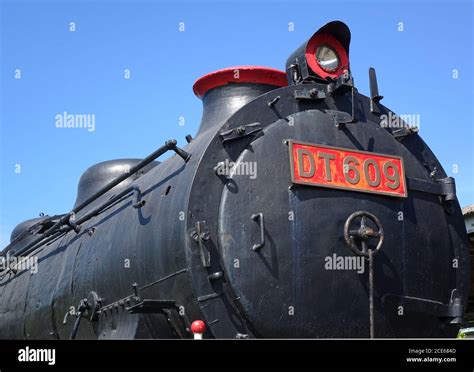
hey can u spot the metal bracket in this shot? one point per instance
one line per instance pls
(375, 97)
(166, 307)
(423, 305)
(448, 187)
(401, 133)
(312, 94)
(261, 244)
(70, 222)
(344, 83)
(240, 132)
(138, 202)
(445, 187)
(88, 308)
(294, 72)
(200, 234)
(340, 117)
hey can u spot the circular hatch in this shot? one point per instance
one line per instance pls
(281, 243)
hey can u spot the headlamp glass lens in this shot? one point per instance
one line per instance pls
(327, 58)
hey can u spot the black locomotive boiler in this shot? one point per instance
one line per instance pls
(296, 211)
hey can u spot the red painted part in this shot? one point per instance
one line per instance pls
(331, 41)
(239, 74)
(198, 326)
(366, 172)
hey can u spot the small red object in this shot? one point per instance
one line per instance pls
(198, 326)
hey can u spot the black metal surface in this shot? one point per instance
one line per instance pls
(183, 242)
(240, 132)
(220, 103)
(99, 175)
(169, 145)
(375, 97)
(423, 305)
(417, 225)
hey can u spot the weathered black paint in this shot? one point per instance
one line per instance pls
(183, 243)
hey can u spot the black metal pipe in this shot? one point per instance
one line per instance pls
(66, 219)
(32, 246)
(26, 232)
(109, 202)
(54, 229)
(169, 145)
(44, 240)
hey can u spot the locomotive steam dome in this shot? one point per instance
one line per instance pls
(100, 174)
(25, 225)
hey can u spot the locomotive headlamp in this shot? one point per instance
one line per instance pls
(325, 56)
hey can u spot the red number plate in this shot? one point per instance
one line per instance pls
(339, 168)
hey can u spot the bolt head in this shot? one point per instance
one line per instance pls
(195, 236)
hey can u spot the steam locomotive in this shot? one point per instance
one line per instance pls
(296, 211)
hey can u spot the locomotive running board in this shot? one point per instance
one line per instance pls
(423, 305)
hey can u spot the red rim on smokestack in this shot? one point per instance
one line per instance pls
(239, 74)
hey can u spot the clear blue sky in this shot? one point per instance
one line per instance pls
(82, 72)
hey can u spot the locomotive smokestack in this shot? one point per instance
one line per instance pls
(223, 92)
